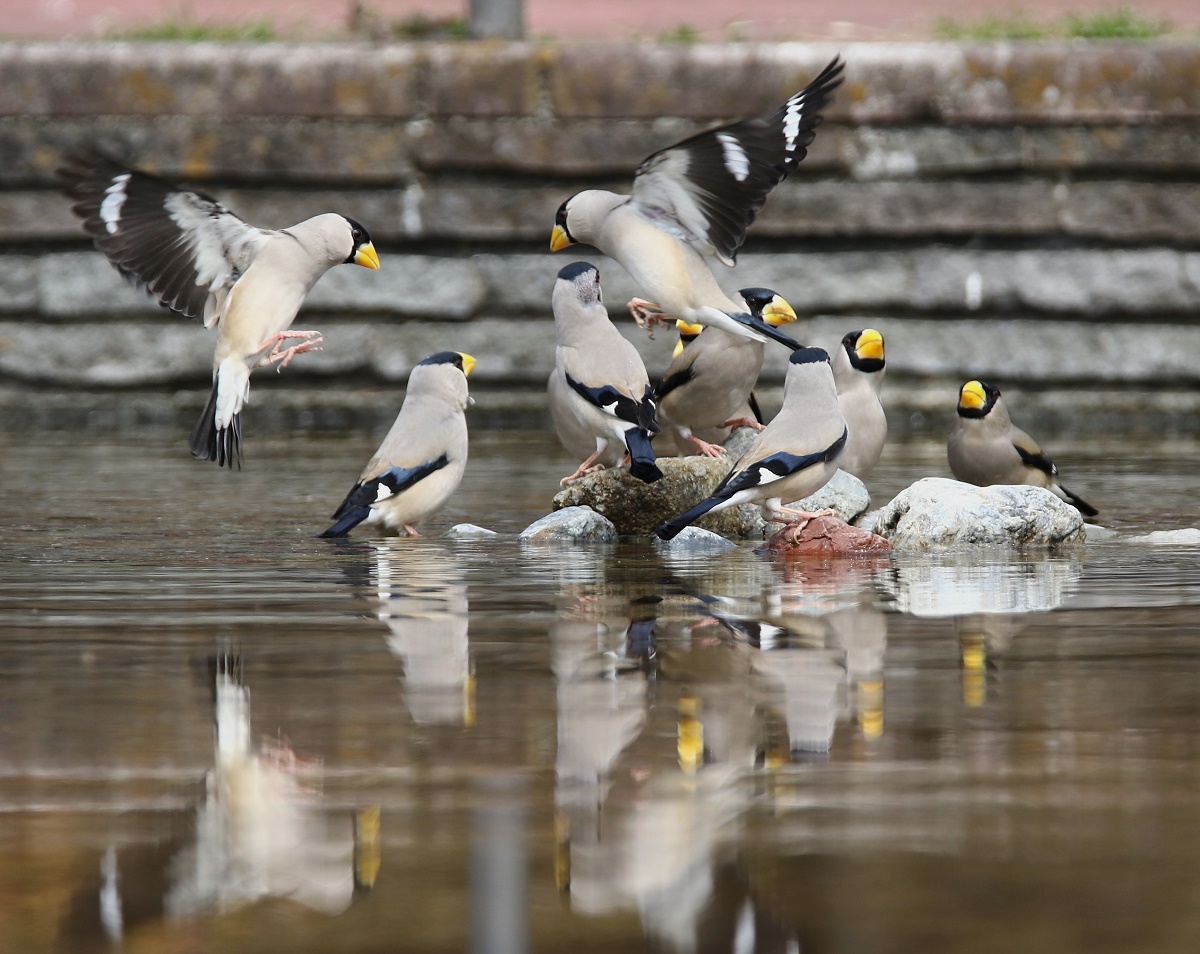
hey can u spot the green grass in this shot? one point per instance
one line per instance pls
(256, 31)
(684, 33)
(1122, 23)
(420, 27)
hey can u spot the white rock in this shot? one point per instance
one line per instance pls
(468, 531)
(1186, 537)
(695, 539)
(938, 513)
(571, 525)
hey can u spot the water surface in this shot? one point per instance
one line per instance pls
(429, 745)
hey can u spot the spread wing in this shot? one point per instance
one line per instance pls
(707, 189)
(183, 247)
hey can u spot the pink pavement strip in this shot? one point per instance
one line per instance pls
(714, 20)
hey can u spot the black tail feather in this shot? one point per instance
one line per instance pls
(210, 443)
(1079, 503)
(348, 522)
(768, 331)
(641, 456)
(672, 528)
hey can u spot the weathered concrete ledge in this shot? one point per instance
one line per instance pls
(890, 82)
(1022, 212)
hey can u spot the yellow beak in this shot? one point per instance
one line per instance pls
(972, 395)
(870, 345)
(366, 256)
(686, 333)
(559, 239)
(778, 312)
(468, 363)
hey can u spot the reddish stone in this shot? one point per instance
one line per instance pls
(826, 536)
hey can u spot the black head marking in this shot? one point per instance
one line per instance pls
(866, 365)
(757, 299)
(809, 356)
(560, 218)
(359, 236)
(444, 357)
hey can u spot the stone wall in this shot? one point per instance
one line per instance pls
(1028, 213)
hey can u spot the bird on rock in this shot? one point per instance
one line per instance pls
(202, 261)
(708, 388)
(601, 378)
(420, 463)
(985, 447)
(695, 200)
(858, 367)
(793, 456)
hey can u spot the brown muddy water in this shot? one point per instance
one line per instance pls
(220, 733)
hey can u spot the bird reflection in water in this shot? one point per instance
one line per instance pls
(640, 829)
(258, 833)
(420, 594)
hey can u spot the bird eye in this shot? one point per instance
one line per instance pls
(356, 233)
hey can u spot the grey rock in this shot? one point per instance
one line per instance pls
(845, 495)
(1185, 537)
(571, 525)
(696, 540)
(938, 513)
(636, 508)
(409, 285)
(468, 531)
(739, 441)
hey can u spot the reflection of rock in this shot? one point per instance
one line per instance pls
(421, 596)
(258, 832)
(957, 585)
(571, 524)
(936, 513)
(636, 508)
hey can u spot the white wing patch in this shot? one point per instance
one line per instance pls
(114, 198)
(734, 157)
(791, 121)
(766, 476)
(382, 493)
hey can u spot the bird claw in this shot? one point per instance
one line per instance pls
(583, 471)
(284, 358)
(744, 422)
(707, 449)
(648, 315)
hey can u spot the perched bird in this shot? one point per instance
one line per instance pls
(694, 200)
(421, 460)
(985, 447)
(601, 378)
(202, 261)
(708, 388)
(858, 367)
(574, 434)
(793, 456)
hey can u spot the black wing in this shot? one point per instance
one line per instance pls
(1037, 460)
(708, 188)
(776, 467)
(184, 247)
(622, 406)
(357, 505)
